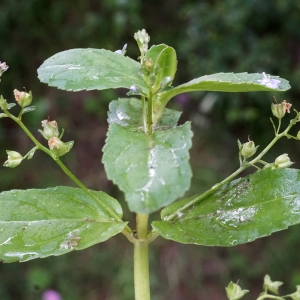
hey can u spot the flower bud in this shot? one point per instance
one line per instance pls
(50, 129)
(282, 161)
(58, 147)
(23, 99)
(270, 285)
(3, 67)
(296, 295)
(298, 135)
(234, 291)
(3, 103)
(279, 110)
(248, 149)
(13, 159)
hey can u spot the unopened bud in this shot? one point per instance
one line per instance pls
(234, 291)
(3, 67)
(248, 149)
(58, 147)
(23, 99)
(50, 129)
(296, 295)
(270, 285)
(282, 161)
(13, 159)
(298, 135)
(3, 103)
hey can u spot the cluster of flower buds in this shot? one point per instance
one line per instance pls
(22, 98)
(143, 39)
(279, 110)
(51, 133)
(3, 67)
(150, 71)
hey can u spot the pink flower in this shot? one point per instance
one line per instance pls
(51, 295)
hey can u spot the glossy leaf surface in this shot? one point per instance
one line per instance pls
(239, 212)
(152, 170)
(229, 82)
(91, 69)
(39, 223)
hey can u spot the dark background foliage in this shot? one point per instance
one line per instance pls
(210, 36)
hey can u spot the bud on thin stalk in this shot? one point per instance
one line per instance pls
(13, 159)
(23, 99)
(58, 147)
(50, 129)
(282, 161)
(248, 149)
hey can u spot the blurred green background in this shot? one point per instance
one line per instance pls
(209, 36)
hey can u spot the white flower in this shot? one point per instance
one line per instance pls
(269, 82)
(123, 51)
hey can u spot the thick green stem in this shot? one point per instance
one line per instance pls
(141, 260)
(149, 115)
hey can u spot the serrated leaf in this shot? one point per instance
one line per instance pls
(152, 170)
(239, 212)
(39, 223)
(227, 82)
(91, 69)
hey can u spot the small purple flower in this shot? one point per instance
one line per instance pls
(51, 295)
(133, 89)
(123, 51)
(268, 82)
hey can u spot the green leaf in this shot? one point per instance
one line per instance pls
(165, 61)
(227, 82)
(11, 105)
(2, 115)
(128, 112)
(152, 170)
(39, 223)
(29, 109)
(91, 69)
(239, 212)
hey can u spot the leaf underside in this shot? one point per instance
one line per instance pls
(239, 212)
(39, 223)
(227, 82)
(152, 170)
